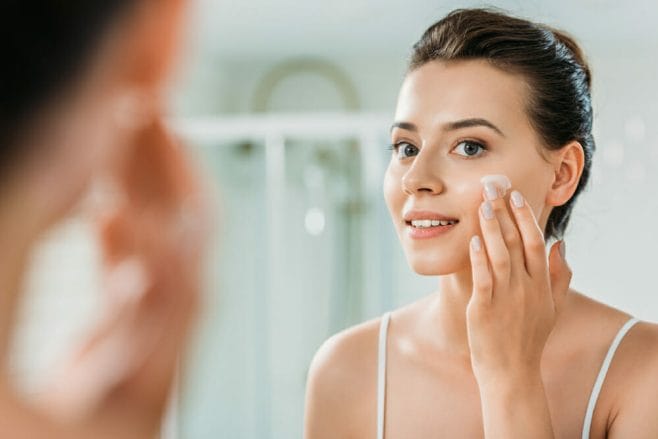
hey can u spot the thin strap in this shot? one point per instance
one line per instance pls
(381, 374)
(602, 373)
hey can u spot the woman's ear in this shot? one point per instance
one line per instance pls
(568, 164)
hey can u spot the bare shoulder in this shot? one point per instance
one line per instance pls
(635, 413)
(631, 384)
(599, 323)
(342, 382)
(637, 356)
(347, 355)
(637, 360)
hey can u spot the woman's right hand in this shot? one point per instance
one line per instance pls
(120, 379)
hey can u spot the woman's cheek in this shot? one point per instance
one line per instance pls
(469, 195)
(393, 194)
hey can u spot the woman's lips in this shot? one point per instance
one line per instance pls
(428, 232)
(426, 224)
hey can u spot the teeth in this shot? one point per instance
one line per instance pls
(421, 224)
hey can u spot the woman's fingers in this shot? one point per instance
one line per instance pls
(531, 235)
(153, 241)
(560, 274)
(156, 172)
(106, 356)
(117, 237)
(508, 228)
(499, 257)
(165, 222)
(482, 280)
(162, 186)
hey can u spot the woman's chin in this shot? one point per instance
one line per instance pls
(435, 265)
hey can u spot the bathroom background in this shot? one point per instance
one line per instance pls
(287, 106)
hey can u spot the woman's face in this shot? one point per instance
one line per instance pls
(456, 122)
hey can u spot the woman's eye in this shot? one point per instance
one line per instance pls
(469, 148)
(405, 150)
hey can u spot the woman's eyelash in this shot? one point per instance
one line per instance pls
(479, 144)
(396, 145)
(408, 150)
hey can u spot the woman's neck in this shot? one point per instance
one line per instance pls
(445, 316)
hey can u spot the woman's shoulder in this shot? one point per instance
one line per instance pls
(599, 317)
(352, 352)
(341, 387)
(345, 365)
(631, 382)
(636, 354)
(598, 323)
(349, 355)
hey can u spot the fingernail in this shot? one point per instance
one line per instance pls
(476, 244)
(490, 191)
(487, 210)
(563, 250)
(517, 199)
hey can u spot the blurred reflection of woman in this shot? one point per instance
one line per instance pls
(80, 97)
(505, 349)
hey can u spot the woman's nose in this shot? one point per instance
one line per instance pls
(421, 178)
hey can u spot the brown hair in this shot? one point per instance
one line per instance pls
(559, 106)
(46, 45)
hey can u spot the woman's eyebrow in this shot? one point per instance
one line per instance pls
(473, 122)
(405, 126)
(451, 126)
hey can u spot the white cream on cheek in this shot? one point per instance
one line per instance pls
(500, 180)
(470, 192)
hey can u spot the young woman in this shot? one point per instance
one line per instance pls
(80, 94)
(505, 349)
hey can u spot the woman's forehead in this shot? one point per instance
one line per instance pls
(441, 92)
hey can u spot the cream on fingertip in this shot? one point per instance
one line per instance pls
(497, 180)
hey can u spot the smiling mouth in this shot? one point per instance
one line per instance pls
(428, 224)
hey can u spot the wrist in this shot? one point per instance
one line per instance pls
(510, 383)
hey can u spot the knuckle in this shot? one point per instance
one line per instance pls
(501, 264)
(484, 284)
(536, 246)
(499, 204)
(512, 237)
(485, 288)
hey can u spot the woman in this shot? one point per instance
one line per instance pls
(80, 98)
(505, 349)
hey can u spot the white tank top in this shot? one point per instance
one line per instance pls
(381, 375)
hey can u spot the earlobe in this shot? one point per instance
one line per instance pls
(569, 163)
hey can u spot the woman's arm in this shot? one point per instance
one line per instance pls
(515, 407)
